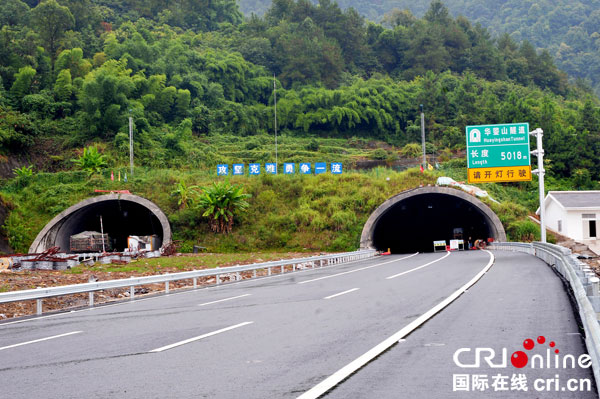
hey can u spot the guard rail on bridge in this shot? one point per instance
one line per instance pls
(584, 283)
(315, 261)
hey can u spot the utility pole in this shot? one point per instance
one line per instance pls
(539, 153)
(131, 143)
(423, 137)
(275, 123)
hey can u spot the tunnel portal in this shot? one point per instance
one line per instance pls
(412, 220)
(122, 215)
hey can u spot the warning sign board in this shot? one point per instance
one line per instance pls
(497, 175)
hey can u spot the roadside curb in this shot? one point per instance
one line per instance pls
(583, 282)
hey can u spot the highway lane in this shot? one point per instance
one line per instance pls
(280, 336)
(521, 297)
(177, 317)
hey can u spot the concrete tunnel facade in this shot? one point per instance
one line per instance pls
(412, 220)
(122, 215)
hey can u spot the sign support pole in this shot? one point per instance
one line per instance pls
(423, 137)
(275, 122)
(539, 153)
(131, 144)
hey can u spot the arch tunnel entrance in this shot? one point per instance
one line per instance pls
(123, 215)
(412, 220)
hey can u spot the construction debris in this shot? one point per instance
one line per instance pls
(90, 241)
(169, 249)
(148, 243)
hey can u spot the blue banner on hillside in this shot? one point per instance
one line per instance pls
(320, 167)
(336, 168)
(289, 168)
(271, 168)
(254, 169)
(222, 170)
(238, 169)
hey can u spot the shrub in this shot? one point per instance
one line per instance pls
(379, 154)
(91, 161)
(221, 202)
(313, 145)
(23, 171)
(523, 231)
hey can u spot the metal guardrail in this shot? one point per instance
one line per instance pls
(584, 283)
(40, 293)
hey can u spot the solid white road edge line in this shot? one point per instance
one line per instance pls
(340, 375)
(358, 270)
(341, 293)
(224, 300)
(187, 341)
(417, 268)
(40, 340)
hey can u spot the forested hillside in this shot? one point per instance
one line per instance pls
(73, 72)
(569, 30)
(197, 79)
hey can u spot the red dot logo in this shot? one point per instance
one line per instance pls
(528, 344)
(541, 339)
(519, 359)
(552, 344)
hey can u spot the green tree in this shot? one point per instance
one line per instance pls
(23, 84)
(51, 21)
(13, 12)
(104, 100)
(63, 88)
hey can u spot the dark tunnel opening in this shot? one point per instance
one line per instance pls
(120, 219)
(413, 223)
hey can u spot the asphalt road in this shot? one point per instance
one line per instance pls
(278, 337)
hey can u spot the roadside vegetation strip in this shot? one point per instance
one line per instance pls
(346, 371)
(40, 340)
(187, 341)
(357, 270)
(417, 268)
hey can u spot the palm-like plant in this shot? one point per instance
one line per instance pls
(221, 202)
(184, 193)
(91, 160)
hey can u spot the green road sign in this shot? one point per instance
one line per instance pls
(493, 146)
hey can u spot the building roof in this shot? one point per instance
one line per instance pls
(577, 199)
(574, 200)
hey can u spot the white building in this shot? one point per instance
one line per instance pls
(573, 214)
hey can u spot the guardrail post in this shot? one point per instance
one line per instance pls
(238, 276)
(38, 307)
(254, 274)
(131, 292)
(282, 269)
(218, 276)
(195, 279)
(167, 287)
(269, 273)
(294, 267)
(91, 295)
(595, 283)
